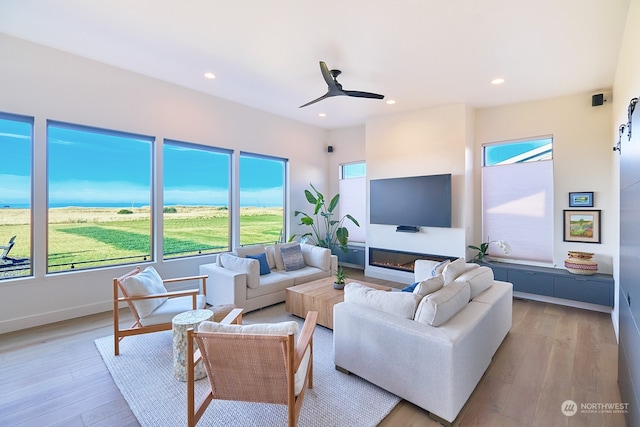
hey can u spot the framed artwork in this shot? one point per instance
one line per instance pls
(581, 200)
(582, 226)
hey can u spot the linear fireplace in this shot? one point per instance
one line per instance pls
(400, 260)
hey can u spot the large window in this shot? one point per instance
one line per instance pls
(99, 197)
(262, 195)
(517, 198)
(196, 199)
(15, 195)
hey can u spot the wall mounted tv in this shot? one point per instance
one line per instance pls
(418, 201)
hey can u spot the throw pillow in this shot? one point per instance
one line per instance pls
(429, 286)
(423, 268)
(248, 266)
(440, 306)
(292, 258)
(147, 282)
(455, 268)
(439, 267)
(243, 251)
(316, 256)
(410, 288)
(262, 259)
(401, 304)
(277, 254)
(479, 280)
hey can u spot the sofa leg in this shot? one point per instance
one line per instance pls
(344, 371)
(441, 420)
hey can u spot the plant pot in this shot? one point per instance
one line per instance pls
(580, 263)
(339, 286)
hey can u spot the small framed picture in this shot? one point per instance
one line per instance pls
(581, 200)
(582, 226)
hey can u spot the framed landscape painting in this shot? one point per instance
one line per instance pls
(581, 200)
(582, 226)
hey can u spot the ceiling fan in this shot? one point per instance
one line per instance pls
(335, 88)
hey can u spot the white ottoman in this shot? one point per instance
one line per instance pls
(181, 323)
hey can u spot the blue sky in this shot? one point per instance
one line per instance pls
(89, 168)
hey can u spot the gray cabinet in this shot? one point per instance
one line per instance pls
(354, 257)
(555, 282)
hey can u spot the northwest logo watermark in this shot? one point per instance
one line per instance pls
(569, 408)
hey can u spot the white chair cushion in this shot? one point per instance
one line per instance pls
(248, 266)
(147, 282)
(423, 268)
(401, 304)
(479, 280)
(315, 256)
(282, 328)
(429, 286)
(172, 307)
(455, 268)
(440, 306)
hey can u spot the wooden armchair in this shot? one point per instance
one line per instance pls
(151, 304)
(252, 363)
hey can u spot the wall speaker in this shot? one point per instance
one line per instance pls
(597, 99)
(330, 149)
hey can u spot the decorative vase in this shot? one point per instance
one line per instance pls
(338, 286)
(581, 263)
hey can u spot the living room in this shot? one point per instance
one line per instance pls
(50, 84)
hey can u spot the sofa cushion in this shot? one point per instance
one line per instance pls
(455, 268)
(262, 259)
(440, 306)
(315, 256)
(429, 286)
(479, 280)
(439, 267)
(147, 282)
(248, 266)
(401, 304)
(243, 251)
(410, 288)
(277, 255)
(292, 258)
(271, 256)
(271, 284)
(422, 269)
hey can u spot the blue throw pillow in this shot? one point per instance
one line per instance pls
(410, 288)
(264, 265)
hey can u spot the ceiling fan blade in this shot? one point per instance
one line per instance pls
(326, 95)
(359, 94)
(326, 74)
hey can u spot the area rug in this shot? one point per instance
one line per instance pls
(144, 374)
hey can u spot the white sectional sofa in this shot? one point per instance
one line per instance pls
(430, 346)
(257, 276)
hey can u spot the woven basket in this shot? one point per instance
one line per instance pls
(581, 263)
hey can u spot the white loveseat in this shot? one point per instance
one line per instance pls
(431, 346)
(235, 277)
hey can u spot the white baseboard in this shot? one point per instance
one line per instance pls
(40, 319)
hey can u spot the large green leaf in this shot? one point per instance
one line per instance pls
(334, 202)
(352, 219)
(310, 198)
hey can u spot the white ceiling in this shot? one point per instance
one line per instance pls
(265, 54)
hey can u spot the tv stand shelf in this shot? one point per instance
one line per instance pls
(554, 282)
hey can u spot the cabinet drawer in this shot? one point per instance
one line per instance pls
(531, 282)
(583, 289)
(356, 256)
(501, 274)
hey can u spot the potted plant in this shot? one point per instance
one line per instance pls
(326, 231)
(341, 277)
(484, 248)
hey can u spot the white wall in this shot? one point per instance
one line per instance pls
(423, 142)
(581, 157)
(48, 84)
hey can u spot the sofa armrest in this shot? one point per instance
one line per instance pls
(334, 263)
(225, 286)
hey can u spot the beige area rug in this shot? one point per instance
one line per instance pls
(144, 374)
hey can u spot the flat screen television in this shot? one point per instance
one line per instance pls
(419, 201)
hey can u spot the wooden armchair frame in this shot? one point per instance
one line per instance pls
(137, 327)
(225, 356)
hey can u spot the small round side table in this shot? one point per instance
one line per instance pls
(181, 323)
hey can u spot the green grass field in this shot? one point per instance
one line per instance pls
(90, 237)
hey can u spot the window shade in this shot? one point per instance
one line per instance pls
(517, 207)
(353, 193)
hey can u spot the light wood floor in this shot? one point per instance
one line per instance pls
(54, 376)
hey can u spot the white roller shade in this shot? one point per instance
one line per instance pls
(353, 193)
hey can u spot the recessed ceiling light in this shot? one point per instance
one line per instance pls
(497, 81)
(210, 75)
(391, 101)
(322, 115)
